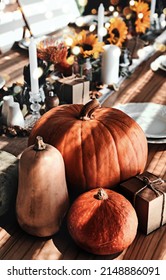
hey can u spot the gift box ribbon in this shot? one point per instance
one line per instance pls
(152, 185)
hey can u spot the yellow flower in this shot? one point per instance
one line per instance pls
(143, 16)
(88, 44)
(117, 31)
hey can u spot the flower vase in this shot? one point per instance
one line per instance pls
(125, 62)
(125, 58)
(87, 69)
(80, 69)
(135, 44)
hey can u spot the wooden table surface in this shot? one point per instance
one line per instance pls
(143, 86)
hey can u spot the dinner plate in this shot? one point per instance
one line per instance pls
(150, 116)
(156, 140)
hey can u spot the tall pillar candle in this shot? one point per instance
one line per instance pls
(33, 66)
(110, 64)
(100, 22)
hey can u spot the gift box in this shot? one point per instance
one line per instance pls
(73, 90)
(147, 193)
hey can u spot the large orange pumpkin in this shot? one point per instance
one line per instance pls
(102, 222)
(100, 146)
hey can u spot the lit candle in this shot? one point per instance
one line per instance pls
(33, 66)
(100, 21)
(152, 9)
(110, 64)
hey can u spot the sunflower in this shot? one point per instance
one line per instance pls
(142, 11)
(117, 31)
(88, 45)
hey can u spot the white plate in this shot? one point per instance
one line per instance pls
(150, 116)
(156, 141)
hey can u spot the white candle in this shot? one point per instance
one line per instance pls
(100, 22)
(110, 64)
(33, 66)
(152, 9)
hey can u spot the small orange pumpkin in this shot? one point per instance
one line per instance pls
(100, 146)
(102, 222)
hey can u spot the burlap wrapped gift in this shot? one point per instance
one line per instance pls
(73, 90)
(147, 193)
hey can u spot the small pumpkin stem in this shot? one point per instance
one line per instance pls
(39, 144)
(101, 194)
(88, 109)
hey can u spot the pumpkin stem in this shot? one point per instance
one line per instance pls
(88, 109)
(39, 144)
(101, 194)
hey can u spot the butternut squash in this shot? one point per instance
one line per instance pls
(42, 198)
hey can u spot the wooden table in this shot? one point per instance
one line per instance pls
(143, 86)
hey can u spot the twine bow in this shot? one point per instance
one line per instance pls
(152, 185)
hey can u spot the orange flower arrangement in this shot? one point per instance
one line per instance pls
(142, 11)
(55, 53)
(117, 31)
(88, 44)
